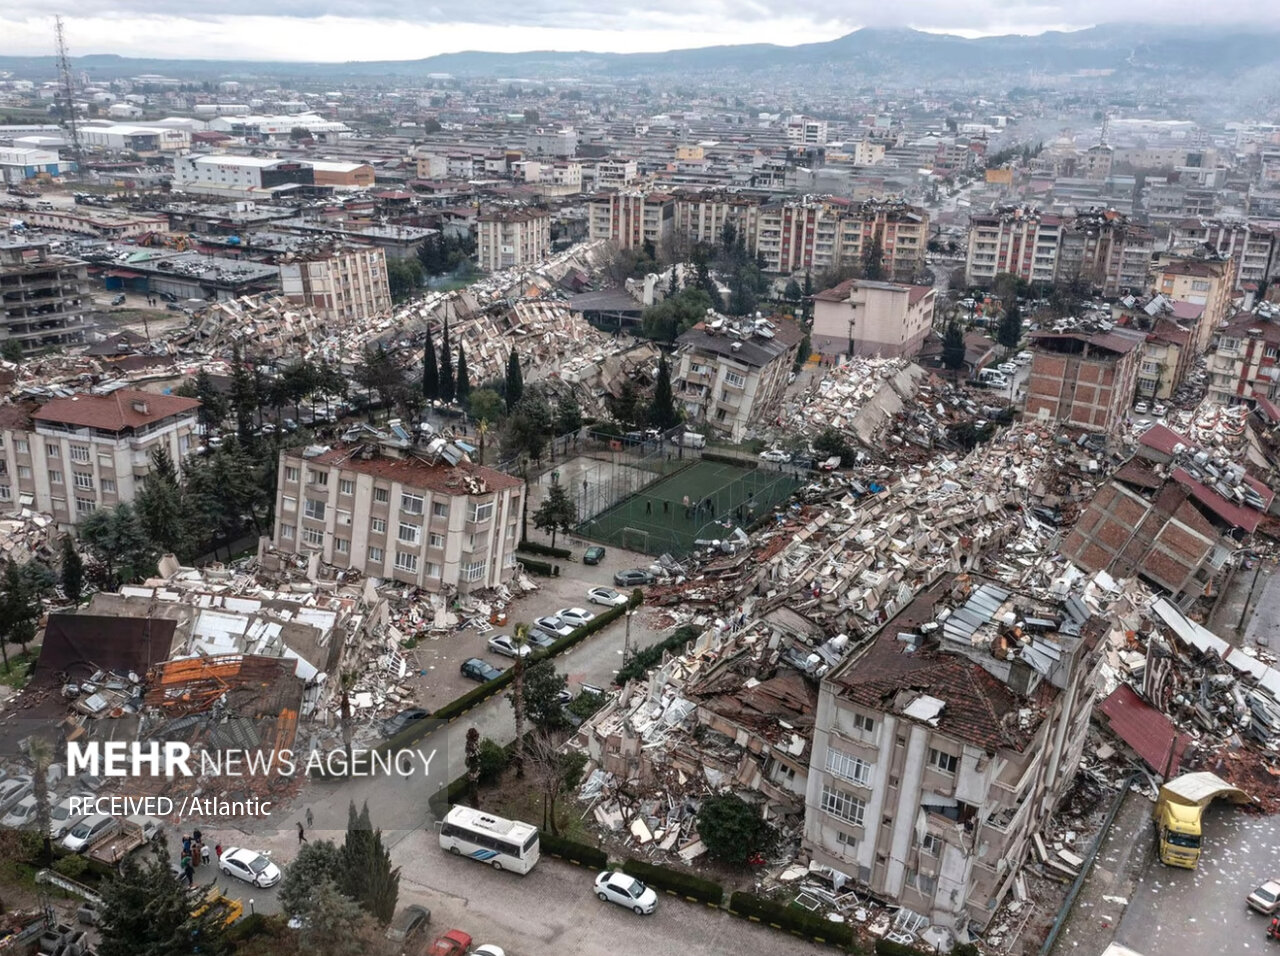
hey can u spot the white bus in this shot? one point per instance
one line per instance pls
(503, 844)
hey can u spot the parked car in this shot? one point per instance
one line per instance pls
(574, 616)
(633, 578)
(488, 949)
(62, 819)
(618, 887)
(1141, 407)
(776, 455)
(393, 725)
(538, 639)
(250, 866)
(453, 943)
(593, 555)
(13, 789)
(553, 625)
(118, 299)
(410, 923)
(1009, 368)
(89, 831)
(830, 464)
(1266, 898)
(21, 813)
(506, 645)
(1025, 358)
(1159, 409)
(479, 670)
(606, 596)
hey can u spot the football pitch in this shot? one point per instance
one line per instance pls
(720, 497)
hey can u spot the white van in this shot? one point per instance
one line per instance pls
(1023, 358)
(993, 378)
(693, 440)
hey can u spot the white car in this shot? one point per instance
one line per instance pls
(574, 616)
(12, 790)
(553, 625)
(1140, 407)
(488, 949)
(506, 645)
(89, 831)
(62, 819)
(776, 455)
(1159, 410)
(1266, 898)
(21, 813)
(606, 596)
(1009, 368)
(618, 887)
(250, 866)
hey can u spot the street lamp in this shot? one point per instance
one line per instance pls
(626, 640)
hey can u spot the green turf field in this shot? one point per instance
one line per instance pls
(656, 519)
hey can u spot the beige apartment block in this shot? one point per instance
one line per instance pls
(507, 238)
(339, 285)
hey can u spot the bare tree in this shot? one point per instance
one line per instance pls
(555, 772)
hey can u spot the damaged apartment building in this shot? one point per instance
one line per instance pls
(942, 746)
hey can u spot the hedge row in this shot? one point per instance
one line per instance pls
(887, 947)
(681, 882)
(544, 568)
(642, 660)
(574, 852)
(798, 921)
(533, 547)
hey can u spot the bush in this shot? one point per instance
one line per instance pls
(252, 925)
(731, 828)
(792, 919)
(680, 882)
(641, 661)
(533, 547)
(544, 568)
(460, 705)
(585, 705)
(72, 865)
(493, 760)
(574, 852)
(887, 947)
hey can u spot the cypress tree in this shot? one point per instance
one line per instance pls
(463, 386)
(515, 381)
(446, 367)
(430, 372)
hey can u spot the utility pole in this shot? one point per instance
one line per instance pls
(64, 73)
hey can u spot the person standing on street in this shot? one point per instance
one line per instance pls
(302, 834)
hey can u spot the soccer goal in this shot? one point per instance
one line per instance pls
(635, 539)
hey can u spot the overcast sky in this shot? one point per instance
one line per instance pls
(401, 29)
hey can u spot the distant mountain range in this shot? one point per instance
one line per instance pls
(886, 57)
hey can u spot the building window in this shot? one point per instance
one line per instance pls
(849, 768)
(931, 844)
(847, 840)
(378, 525)
(943, 761)
(864, 724)
(290, 473)
(342, 545)
(346, 486)
(433, 570)
(406, 561)
(20, 446)
(313, 536)
(436, 541)
(80, 453)
(51, 450)
(381, 496)
(1199, 285)
(1150, 368)
(318, 477)
(24, 471)
(844, 805)
(482, 512)
(85, 505)
(411, 504)
(376, 555)
(410, 533)
(439, 510)
(344, 517)
(108, 486)
(734, 379)
(286, 532)
(474, 571)
(83, 480)
(55, 476)
(5, 493)
(314, 509)
(288, 503)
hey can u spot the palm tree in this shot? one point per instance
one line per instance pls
(482, 431)
(40, 752)
(521, 639)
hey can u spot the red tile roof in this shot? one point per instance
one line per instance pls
(1247, 519)
(837, 293)
(119, 411)
(1150, 733)
(1163, 438)
(442, 478)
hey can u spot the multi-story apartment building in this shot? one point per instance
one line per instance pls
(1255, 247)
(701, 217)
(796, 235)
(631, 218)
(732, 377)
(1017, 240)
(402, 513)
(1245, 361)
(872, 318)
(1105, 251)
(806, 130)
(615, 173)
(341, 284)
(563, 174)
(1084, 379)
(1207, 282)
(43, 297)
(901, 229)
(552, 142)
(942, 746)
(74, 455)
(506, 238)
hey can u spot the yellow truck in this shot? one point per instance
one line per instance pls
(229, 909)
(1177, 815)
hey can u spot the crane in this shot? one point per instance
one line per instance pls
(64, 74)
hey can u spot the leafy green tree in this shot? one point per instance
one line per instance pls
(116, 539)
(404, 278)
(334, 924)
(244, 395)
(486, 405)
(213, 404)
(367, 874)
(625, 407)
(556, 513)
(72, 570)
(873, 260)
(1009, 331)
(493, 759)
(161, 505)
(953, 350)
(316, 862)
(793, 292)
(665, 321)
(379, 373)
(446, 367)
(463, 386)
(430, 371)
(542, 687)
(662, 410)
(831, 442)
(146, 912)
(11, 351)
(731, 828)
(568, 415)
(528, 427)
(19, 610)
(515, 380)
